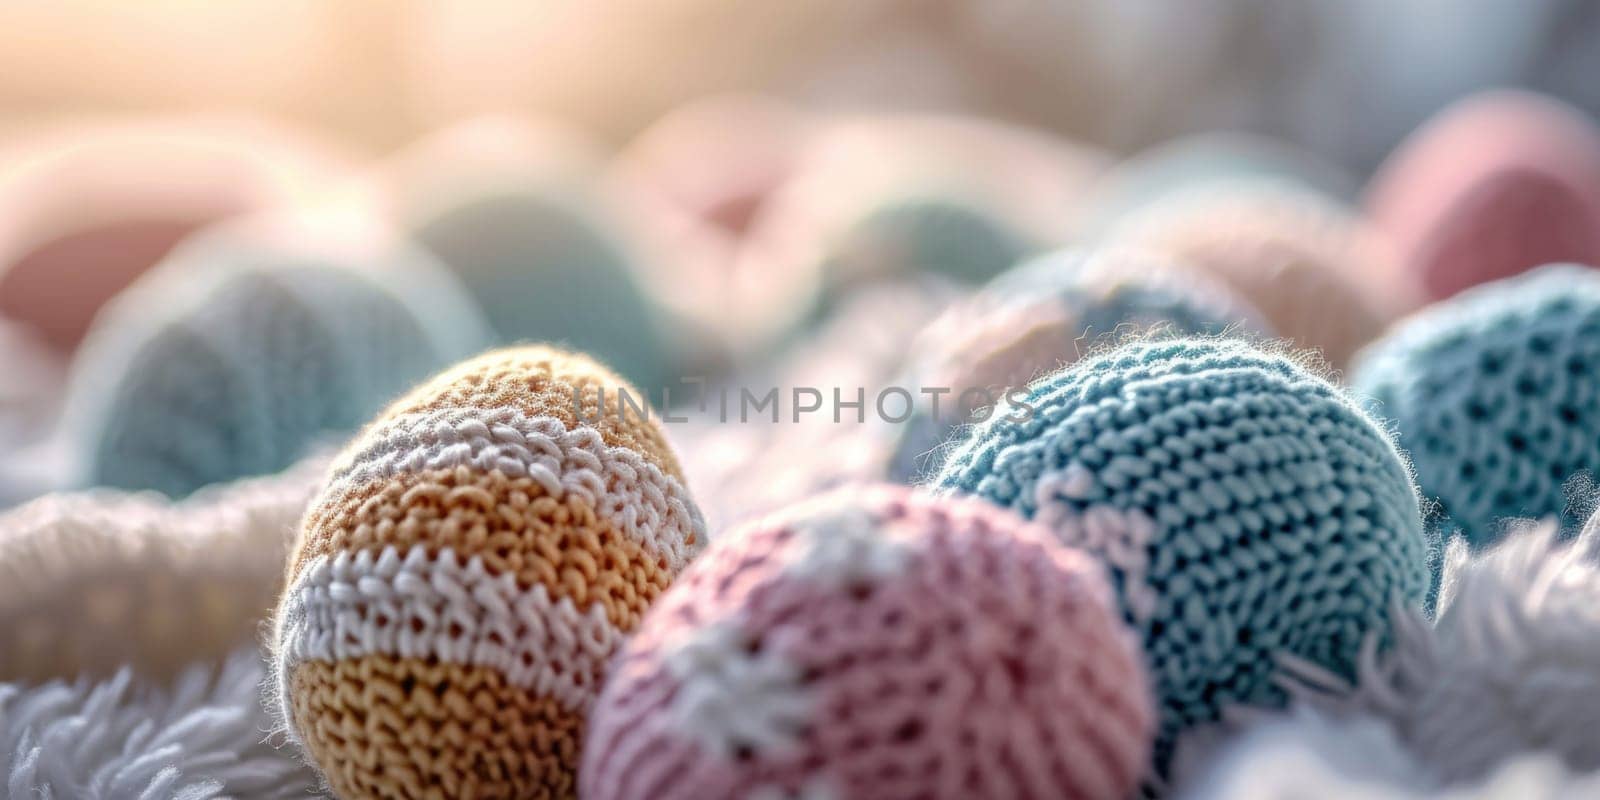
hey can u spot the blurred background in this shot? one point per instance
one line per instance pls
(1346, 78)
(767, 193)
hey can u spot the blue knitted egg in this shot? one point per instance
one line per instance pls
(545, 266)
(236, 354)
(1043, 315)
(1495, 394)
(1246, 508)
(928, 233)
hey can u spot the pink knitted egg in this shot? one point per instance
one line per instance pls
(876, 643)
(1495, 185)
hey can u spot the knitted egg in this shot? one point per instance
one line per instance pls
(945, 236)
(1246, 508)
(1493, 394)
(536, 248)
(86, 211)
(1041, 316)
(473, 561)
(1495, 185)
(886, 196)
(1314, 270)
(876, 643)
(241, 350)
(1515, 622)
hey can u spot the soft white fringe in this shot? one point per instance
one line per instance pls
(204, 736)
(1308, 755)
(1498, 698)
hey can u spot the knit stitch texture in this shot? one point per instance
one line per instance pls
(877, 643)
(95, 580)
(473, 561)
(1245, 508)
(236, 355)
(1043, 315)
(1496, 396)
(1510, 666)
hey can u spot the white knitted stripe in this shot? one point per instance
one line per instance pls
(411, 605)
(1119, 537)
(730, 696)
(650, 506)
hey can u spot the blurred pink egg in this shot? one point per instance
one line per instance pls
(85, 211)
(1496, 184)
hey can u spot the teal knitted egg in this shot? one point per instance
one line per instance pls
(237, 354)
(545, 266)
(1495, 394)
(1246, 508)
(930, 234)
(1041, 316)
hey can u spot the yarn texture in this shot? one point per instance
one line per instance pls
(1496, 396)
(1308, 756)
(877, 643)
(1509, 667)
(129, 736)
(1041, 316)
(94, 580)
(237, 355)
(1245, 507)
(473, 561)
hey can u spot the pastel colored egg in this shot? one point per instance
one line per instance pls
(1039, 317)
(881, 197)
(466, 573)
(1492, 393)
(248, 346)
(84, 211)
(1494, 185)
(877, 643)
(539, 250)
(1247, 509)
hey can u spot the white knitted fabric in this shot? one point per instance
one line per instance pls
(1305, 755)
(1511, 666)
(1500, 694)
(413, 604)
(93, 581)
(129, 738)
